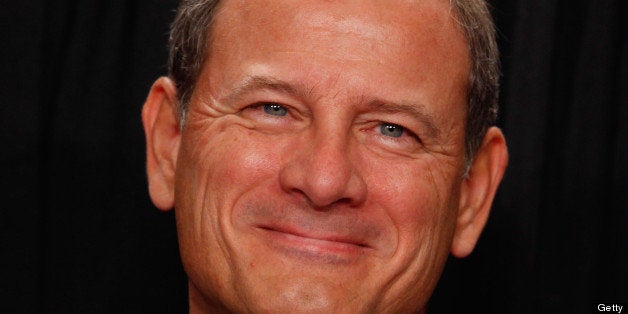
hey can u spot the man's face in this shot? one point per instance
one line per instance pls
(321, 163)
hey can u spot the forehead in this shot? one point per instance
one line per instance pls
(396, 22)
(416, 43)
(347, 15)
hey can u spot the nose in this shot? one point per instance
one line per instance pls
(322, 168)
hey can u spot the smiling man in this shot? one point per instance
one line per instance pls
(325, 156)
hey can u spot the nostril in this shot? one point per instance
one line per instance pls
(324, 174)
(322, 208)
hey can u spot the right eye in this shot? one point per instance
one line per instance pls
(275, 109)
(270, 116)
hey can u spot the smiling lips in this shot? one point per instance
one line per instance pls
(329, 248)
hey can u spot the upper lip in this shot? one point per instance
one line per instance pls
(317, 235)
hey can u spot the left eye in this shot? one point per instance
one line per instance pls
(275, 109)
(392, 130)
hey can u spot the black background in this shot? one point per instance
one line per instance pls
(79, 234)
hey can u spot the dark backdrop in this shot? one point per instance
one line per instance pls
(79, 234)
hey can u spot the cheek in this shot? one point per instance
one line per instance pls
(222, 163)
(217, 166)
(227, 159)
(420, 197)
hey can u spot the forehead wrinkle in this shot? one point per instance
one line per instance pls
(348, 25)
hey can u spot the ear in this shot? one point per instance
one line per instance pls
(161, 126)
(478, 190)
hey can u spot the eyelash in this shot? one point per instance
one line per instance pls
(261, 106)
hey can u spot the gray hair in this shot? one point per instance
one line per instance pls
(189, 37)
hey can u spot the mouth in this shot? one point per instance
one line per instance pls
(328, 248)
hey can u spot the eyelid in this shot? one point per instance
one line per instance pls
(263, 103)
(291, 111)
(260, 105)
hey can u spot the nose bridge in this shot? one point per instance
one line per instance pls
(329, 160)
(324, 170)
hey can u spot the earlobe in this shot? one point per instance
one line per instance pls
(478, 190)
(161, 128)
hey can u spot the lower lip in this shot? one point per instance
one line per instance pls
(313, 249)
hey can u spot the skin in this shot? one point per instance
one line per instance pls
(292, 191)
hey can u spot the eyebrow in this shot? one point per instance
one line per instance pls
(253, 83)
(413, 110)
